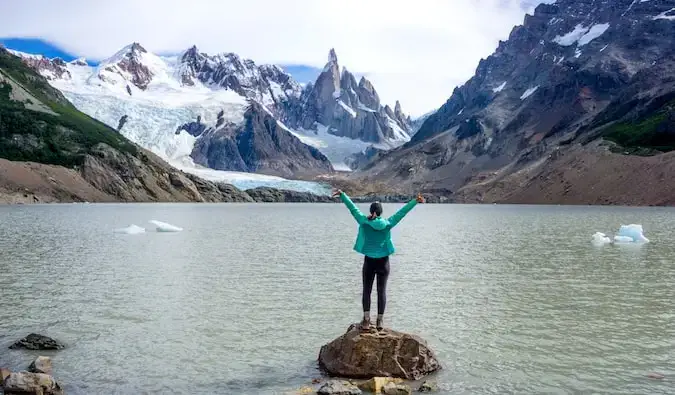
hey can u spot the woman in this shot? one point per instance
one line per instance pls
(374, 242)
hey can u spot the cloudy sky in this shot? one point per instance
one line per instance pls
(413, 51)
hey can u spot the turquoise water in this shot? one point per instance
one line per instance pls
(513, 299)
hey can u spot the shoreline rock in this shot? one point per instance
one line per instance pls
(364, 355)
(27, 383)
(35, 341)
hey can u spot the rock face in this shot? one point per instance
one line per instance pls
(38, 342)
(389, 353)
(258, 145)
(573, 72)
(346, 108)
(25, 383)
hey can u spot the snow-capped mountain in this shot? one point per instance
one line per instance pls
(343, 107)
(156, 100)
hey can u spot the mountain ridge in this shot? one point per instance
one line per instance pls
(568, 77)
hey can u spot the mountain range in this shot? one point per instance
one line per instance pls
(576, 106)
(205, 112)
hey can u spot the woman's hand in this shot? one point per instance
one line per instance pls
(337, 192)
(420, 198)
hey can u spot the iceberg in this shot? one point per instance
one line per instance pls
(634, 232)
(130, 230)
(628, 234)
(600, 239)
(164, 227)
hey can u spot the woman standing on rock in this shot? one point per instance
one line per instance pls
(374, 242)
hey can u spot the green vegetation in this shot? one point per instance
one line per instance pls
(650, 134)
(28, 135)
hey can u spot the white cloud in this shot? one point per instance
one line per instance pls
(416, 53)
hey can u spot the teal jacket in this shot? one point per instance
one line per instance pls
(374, 238)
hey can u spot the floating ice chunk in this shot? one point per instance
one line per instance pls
(130, 230)
(623, 239)
(164, 227)
(600, 239)
(634, 232)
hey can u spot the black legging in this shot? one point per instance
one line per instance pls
(372, 267)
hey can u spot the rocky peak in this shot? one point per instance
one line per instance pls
(268, 84)
(51, 69)
(128, 64)
(79, 62)
(259, 144)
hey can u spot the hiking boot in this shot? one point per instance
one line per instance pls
(365, 325)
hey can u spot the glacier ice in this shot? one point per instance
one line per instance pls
(130, 230)
(600, 239)
(164, 227)
(634, 231)
(627, 234)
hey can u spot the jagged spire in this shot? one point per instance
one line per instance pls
(332, 56)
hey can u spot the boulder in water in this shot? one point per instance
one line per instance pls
(38, 342)
(363, 355)
(337, 387)
(41, 365)
(26, 383)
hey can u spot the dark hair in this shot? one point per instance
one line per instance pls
(375, 210)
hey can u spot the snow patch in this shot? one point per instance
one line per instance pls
(577, 53)
(460, 112)
(571, 37)
(528, 92)
(347, 108)
(664, 15)
(499, 88)
(582, 35)
(364, 108)
(594, 32)
(337, 93)
(605, 47)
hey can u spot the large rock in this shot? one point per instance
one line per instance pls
(358, 354)
(25, 383)
(41, 365)
(35, 341)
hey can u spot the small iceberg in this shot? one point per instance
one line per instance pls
(628, 234)
(130, 230)
(600, 239)
(632, 231)
(164, 227)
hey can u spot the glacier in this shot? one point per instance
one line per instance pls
(154, 115)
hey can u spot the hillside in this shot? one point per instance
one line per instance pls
(50, 151)
(589, 82)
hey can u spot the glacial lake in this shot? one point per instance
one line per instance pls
(513, 299)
